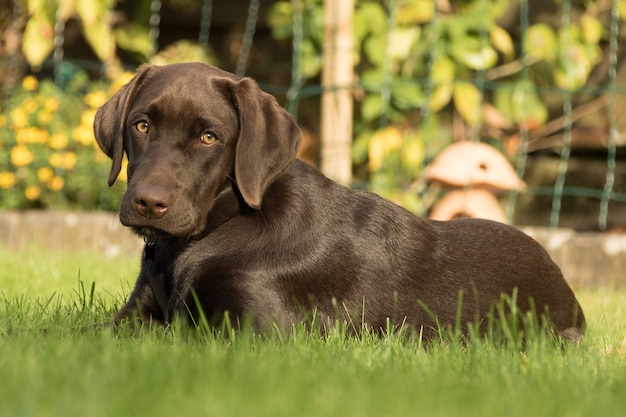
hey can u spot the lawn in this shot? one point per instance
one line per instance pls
(55, 362)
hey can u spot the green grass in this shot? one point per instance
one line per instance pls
(53, 362)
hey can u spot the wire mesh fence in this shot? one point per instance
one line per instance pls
(536, 88)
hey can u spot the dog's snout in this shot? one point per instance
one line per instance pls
(152, 202)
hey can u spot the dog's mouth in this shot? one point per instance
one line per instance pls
(152, 234)
(155, 229)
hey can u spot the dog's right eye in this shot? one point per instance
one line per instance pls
(142, 126)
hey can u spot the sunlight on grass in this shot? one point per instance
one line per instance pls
(37, 273)
(57, 359)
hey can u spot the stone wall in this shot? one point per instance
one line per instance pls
(587, 259)
(68, 231)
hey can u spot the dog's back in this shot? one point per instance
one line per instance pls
(352, 255)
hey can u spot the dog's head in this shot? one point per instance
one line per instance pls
(188, 130)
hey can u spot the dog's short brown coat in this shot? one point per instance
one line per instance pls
(232, 217)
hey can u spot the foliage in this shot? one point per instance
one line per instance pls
(96, 19)
(419, 67)
(52, 159)
(47, 125)
(104, 34)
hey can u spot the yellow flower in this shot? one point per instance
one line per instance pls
(123, 173)
(58, 141)
(65, 160)
(24, 136)
(69, 160)
(7, 179)
(96, 99)
(19, 118)
(21, 156)
(99, 156)
(31, 135)
(55, 160)
(30, 106)
(45, 174)
(51, 104)
(87, 118)
(32, 192)
(45, 117)
(56, 183)
(83, 135)
(120, 81)
(30, 83)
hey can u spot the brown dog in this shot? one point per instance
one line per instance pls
(234, 222)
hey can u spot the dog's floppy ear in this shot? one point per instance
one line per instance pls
(267, 144)
(109, 124)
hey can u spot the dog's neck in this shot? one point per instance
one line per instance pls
(227, 205)
(244, 208)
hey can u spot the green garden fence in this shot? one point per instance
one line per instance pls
(541, 83)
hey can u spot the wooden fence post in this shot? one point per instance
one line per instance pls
(337, 79)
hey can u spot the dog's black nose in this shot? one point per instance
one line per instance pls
(152, 202)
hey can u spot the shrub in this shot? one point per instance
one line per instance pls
(51, 158)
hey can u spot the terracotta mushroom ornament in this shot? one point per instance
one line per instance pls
(474, 171)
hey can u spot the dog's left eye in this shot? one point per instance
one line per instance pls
(142, 126)
(208, 138)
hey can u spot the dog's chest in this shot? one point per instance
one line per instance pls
(157, 267)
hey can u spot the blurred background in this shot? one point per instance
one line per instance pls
(511, 110)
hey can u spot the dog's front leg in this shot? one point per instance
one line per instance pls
(148, 300)
(142, 305)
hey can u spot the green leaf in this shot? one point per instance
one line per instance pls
(374, 48)
(401, 41)
(412, 12)
(38, 39)
(314, 24)
(135, 38)
(372, 79)
(372, 107)
(571, 77)
(382, 143)
(97, 30)
(67, 8)
(469, 52)
(540, 42)
(183, 51)
(442, 70)
(407, 94)
(360, 146)
(310, 59)
(360, 28)
(413, 153)
(591, 29)
(412, 202)
(440, 97)
(92, 12)
(101, 39)
(621, 9)
(280, 19)
(521, 104)
(574, 60)
(42, 7)
(467, 100)
(501, 40)
(373, 16)
(527, 107)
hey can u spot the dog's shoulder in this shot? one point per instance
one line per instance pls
(304, 189)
